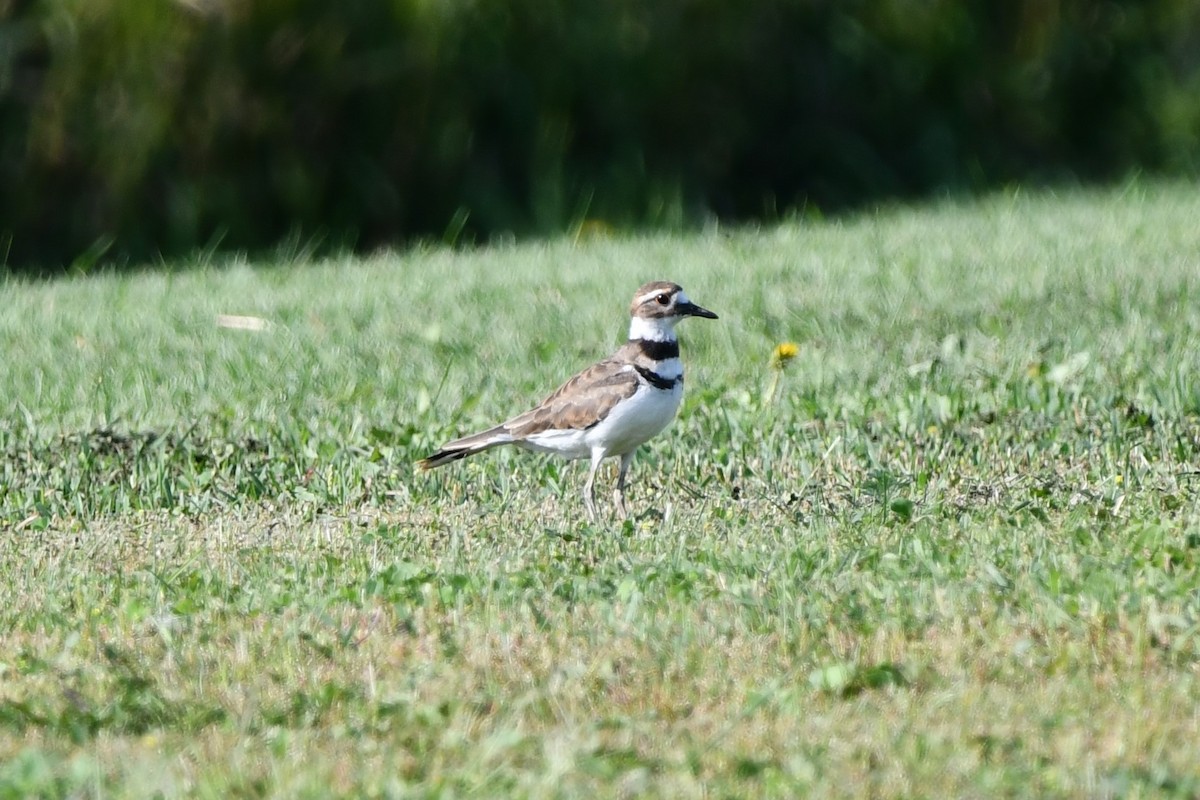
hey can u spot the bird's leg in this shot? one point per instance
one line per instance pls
(589, 493)
(619, 492)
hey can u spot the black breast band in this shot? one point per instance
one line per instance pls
(656, 380)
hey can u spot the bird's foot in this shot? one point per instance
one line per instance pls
(619, 504)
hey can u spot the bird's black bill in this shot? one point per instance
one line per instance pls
(693, 310)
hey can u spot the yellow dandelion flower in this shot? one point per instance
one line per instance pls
(780, 356)
(783, 353)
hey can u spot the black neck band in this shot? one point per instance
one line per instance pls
(658, 351)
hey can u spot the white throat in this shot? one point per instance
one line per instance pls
(659, 329)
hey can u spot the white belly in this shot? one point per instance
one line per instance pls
(636, 420)
(631, 423)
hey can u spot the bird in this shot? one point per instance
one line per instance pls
(610, 408)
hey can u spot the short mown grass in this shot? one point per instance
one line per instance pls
(951, 548)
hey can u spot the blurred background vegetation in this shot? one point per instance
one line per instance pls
(139, 129)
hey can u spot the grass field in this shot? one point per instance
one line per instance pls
(951, 549)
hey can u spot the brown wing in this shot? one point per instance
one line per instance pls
(579, 403)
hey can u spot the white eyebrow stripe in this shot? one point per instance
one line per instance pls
(651, 295)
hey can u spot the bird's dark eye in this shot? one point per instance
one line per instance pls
(663, 299)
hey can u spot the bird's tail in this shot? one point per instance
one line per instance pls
(467, 446)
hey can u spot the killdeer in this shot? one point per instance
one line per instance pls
(610, 408)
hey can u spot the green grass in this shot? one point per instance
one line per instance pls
(954, 552)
